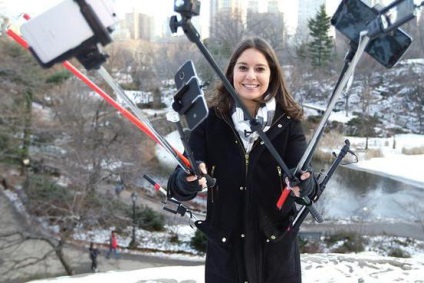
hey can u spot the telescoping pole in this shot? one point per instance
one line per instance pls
(179, 157)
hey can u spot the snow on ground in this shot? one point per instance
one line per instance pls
(317, 268)
(394, 164)
(366, 267)
(369, 266)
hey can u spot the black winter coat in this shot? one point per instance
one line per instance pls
(247, 239)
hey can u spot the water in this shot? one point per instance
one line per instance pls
(359, 195)
(352, 194)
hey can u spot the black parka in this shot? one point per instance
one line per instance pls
(247, 238)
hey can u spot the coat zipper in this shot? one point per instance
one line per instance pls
(280, 175)
(212, 190)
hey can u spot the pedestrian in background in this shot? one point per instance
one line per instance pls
(94, 252)
(119, 187)
(113, 245)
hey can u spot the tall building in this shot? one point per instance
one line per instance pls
(272, 6)
(227, 6)
(3, 5)
(253, 6)
(3, 17)
(138, 25)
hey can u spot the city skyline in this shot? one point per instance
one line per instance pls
(161, 10)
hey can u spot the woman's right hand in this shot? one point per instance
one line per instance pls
(192, 182)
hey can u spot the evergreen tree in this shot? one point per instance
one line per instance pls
(320, 46)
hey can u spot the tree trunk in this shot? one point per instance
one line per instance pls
(60, 255)
(26, 132)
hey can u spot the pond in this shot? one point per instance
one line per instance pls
(366, 196)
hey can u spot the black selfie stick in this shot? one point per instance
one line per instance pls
(179, 108)
(187, 10)
(376, 28)
(171, 204)
(303, 212)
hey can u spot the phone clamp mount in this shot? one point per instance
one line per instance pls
(189, 102)
(73, 28)
(89, 54)
(171, 204)
(187, 9)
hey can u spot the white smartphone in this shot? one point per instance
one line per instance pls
(63, 28)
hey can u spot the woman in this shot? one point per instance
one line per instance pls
(247, 239)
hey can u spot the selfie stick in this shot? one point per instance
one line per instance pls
(255, 125)
(171, 204)
(303, 212)
(376, 28)
(160, 139)
(146, 128)
(174, 117)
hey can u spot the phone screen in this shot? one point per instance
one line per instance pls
(352, 17)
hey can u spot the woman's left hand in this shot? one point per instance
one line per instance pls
(305, 186)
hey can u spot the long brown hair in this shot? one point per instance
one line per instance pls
(222, 99)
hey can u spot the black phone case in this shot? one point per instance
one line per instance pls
(353, 16)
(190, 97)
(184, 74)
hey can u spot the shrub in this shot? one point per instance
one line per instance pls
(310, 247)
(58, 77)
(150, 220)
(373, 153)
(398, 252)
(346, 242)
(413, 151)
(173, 238)
(199, 241)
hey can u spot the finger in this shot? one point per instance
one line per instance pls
(202, 182)
(305, 175)
(191, 178)
(287, 181)
(296, 191)
(202, 167)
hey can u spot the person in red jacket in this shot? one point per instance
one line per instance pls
(113, 246)
(248, 236)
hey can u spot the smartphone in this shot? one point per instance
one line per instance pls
(184, 74)
(189, 99)
(353, 16)
(55, 35)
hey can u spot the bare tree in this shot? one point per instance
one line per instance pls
(22, 82)
(74, 148)
(414, 99)
(227, 32)
(270, 26)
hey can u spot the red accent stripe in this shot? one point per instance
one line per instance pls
(284, 194)
(103, 94)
